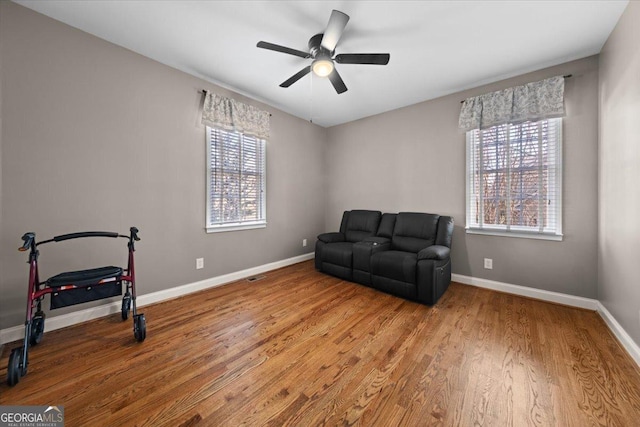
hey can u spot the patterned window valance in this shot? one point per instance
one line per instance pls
(533, 101)
(229, 114)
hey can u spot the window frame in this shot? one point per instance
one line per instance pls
(236, 225)
(511, 230)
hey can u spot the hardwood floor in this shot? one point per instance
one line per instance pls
(302, 348)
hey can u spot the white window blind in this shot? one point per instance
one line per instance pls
(236, 197)
(514, 179)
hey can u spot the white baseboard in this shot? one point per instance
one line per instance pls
(550, 296)
(623, 337)
(571, 300)
(56, 322)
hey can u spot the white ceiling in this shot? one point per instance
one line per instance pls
(436, 47)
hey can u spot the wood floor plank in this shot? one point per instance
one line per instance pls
(302, 348)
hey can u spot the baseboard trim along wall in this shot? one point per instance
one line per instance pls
(574, 301)
(524, 291)
(17, 332)
(622, 335)
(57, 322)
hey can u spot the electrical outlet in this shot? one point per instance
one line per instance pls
(199, 263)
(488, 263)
(304, 242)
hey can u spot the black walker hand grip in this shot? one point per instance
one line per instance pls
(134, 233)
(84, 234)
(28, 239)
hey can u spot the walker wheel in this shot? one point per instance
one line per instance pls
(37, 328)
(139, 327)
(14, 370)
(126, 306)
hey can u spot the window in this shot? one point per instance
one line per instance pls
(236, 198)
(514, 180)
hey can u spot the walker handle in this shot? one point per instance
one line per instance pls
(28, 239)
(84, 234)
(134, 233)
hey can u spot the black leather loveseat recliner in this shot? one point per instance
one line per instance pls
(409, 256)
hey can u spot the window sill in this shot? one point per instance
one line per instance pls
(518, 234)
(235, 227)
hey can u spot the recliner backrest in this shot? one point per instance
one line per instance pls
(387, 223)
(345, 220)
(414, 231)
(445, 231)
(359, 224)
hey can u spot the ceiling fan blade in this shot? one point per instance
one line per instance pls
(337, 82)
(297, 76)
(335, 27)
(363, 58)
(283, 49)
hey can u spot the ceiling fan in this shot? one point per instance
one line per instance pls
(321, 49)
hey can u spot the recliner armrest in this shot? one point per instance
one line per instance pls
(377, 240)
(331, 237)
(436, 252)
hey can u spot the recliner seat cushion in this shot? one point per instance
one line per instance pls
(338, 253)
(396, 265)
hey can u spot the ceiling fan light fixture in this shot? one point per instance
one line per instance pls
(322, 67)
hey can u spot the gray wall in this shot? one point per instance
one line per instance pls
(619, 173)
(413, 159)
(96, 137)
